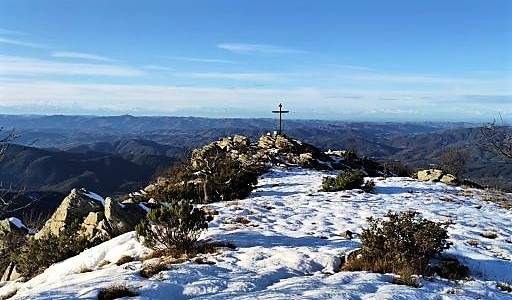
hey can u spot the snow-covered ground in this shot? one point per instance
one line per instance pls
(292, 244)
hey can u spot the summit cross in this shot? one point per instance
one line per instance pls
(280, 112)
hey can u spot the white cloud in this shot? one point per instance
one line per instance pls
(202, 60)
(257, 48)
(163, 99)
(20, 43)
(22, 66)
(249, 76)
(4, 31)
(81, 55)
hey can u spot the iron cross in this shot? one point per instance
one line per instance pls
(280, 112)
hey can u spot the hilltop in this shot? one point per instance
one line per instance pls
(285, 239)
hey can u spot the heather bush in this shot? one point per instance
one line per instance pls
(38, 254)
(174, 228)
(403, 244)
(347, 180)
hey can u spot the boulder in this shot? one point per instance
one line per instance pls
(430, 175)
(122, 217)
(241, 141)
(449, 179)
(74, 208)
(94, 227)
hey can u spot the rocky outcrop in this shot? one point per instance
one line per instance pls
(96, 218)
(74, 208)
(437, 175)
(10, 273)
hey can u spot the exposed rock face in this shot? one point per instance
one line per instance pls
(74, 208)
(123, 217)
(10, 274)
(97, 218)
(437, 175)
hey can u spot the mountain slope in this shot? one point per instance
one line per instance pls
(60, 171)
(291, 247)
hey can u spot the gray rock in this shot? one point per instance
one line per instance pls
(74, 208)
(122, 217)
(10, 274)
(430, 175)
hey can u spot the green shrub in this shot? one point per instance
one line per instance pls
(38, 254)
(174, 228)
(346, 180)
(10, 245)
(226, 179)
(179, 183)
(402, 244)
(115, 292)
(209, 178)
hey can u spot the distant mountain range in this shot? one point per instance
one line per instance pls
(114, 155)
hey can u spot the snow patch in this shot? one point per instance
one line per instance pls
(17, 222)
(96, 197)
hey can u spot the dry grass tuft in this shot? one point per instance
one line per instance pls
(124, 260)
(116, 291)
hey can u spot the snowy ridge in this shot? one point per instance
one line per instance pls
(290, 244)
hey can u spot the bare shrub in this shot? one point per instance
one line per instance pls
(497, 136)
(124, 260)
(454, 160)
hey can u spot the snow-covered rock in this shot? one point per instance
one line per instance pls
(290, 245)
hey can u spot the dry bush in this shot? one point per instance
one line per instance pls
(403, 244)
(124, 260)
(116, 291)
(152, 269)
(454, 160)
(397, 168)
(84, 269)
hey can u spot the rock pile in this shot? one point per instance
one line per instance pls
(271, 149)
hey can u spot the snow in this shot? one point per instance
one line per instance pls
(17, 222)
(95, 197)
(291, 247)
(144, 207)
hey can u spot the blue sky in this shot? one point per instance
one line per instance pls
(354, 60)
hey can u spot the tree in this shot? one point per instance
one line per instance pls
(497, 136)
(454, 160)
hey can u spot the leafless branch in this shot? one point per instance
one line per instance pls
(497, 136)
